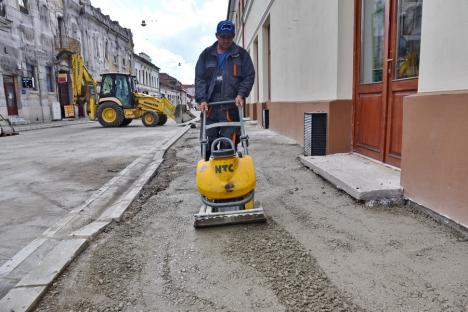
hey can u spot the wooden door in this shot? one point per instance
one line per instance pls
(10, 95)
(387, 41)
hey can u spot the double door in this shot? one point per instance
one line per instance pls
(387, 45)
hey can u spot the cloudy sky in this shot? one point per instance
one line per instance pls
(176, 32)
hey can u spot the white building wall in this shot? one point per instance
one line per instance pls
(304, 50)
(311, 49)
(345, 49)
(444, 46)
(171, 95)
(142, 71)
(254, 18)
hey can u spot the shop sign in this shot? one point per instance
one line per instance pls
(62, 78)
(28, 82)
(69, 111)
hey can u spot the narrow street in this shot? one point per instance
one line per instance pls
(318, 251)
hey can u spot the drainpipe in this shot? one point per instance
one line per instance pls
(243, 24)
(39, 86)
(38, 75)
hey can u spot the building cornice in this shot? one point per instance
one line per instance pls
(143, 60)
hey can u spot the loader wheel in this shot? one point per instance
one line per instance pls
(150, 119)
(110, 115)
(126, 122)
(162, 119)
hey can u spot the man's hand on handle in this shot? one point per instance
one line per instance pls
(240, 101)
(203, 106)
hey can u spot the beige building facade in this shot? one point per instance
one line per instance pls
(389, 74)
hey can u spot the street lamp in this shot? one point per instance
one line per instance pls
(144, 23)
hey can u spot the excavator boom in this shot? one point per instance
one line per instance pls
(81, 74)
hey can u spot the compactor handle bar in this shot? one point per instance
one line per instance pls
(244, 139)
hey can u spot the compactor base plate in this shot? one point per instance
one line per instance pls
(206, 217)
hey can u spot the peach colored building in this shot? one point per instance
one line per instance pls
(391, 75)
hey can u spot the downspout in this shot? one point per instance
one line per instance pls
(38, 73)
(243, 23)
(229, 10)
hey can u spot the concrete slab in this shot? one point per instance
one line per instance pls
(17, 259)
(91, 230)
(53, 263)
(21, 299)
(27, 265)
(362, 178)
(6, 284)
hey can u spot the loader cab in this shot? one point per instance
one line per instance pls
(119, 86)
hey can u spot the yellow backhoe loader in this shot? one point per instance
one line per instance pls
(118, 102)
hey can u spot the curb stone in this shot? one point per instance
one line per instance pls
(48, 125)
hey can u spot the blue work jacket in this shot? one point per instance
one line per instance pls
(238, 73)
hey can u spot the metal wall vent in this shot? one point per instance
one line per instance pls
(266, 119)
(315, 134)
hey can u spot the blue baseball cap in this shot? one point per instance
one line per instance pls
(226, 27)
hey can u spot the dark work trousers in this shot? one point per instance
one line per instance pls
(222, 113)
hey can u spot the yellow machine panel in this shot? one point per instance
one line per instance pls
(225, 178)
(130, 113)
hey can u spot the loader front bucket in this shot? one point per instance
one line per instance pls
(182, 114)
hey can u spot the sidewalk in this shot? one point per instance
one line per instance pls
(51, 124)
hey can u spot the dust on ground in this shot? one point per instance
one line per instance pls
(318, 251)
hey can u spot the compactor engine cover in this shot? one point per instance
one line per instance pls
(226, 178)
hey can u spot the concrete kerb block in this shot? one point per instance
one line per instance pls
(61, 223)
(175, 138)
(20, 256)
(90, 231)
(21, 299)
(30, 288)
(116, 211)
(54, 263)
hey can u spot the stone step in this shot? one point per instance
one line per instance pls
(362, 178)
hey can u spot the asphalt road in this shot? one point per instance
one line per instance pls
(46, 173)
(319, 250)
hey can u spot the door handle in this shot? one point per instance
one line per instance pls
(390, 60)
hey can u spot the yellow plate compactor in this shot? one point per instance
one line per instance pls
(226, 182)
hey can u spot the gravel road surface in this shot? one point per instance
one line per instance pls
(318, 251)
